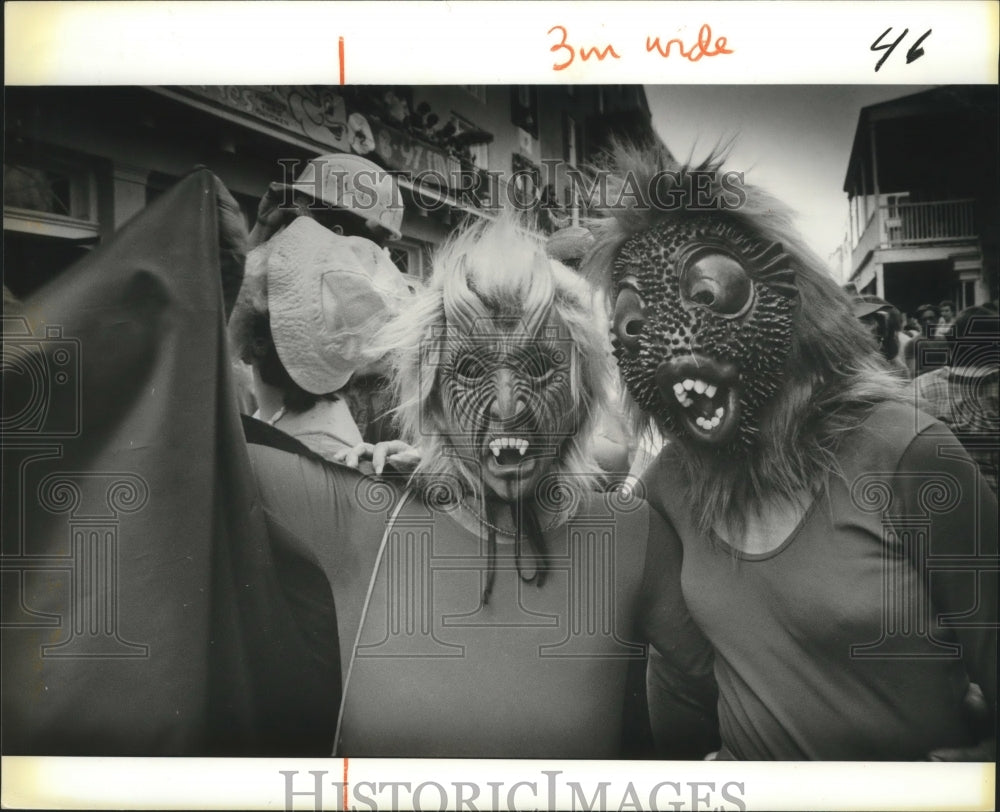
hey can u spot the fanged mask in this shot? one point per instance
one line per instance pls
(702, 327)
(510, 398)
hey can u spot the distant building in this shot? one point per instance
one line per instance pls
(80, 161)
(923, 185)
(839, 259)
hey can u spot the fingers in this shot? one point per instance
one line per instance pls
(352, 457)
(405, 462)
(402, 455)
(383, 451)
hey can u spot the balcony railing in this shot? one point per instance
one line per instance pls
(903, 224)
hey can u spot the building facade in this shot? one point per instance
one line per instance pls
(923, 186)
(80, 162)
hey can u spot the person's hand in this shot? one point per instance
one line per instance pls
(272, 213)
(401, 456)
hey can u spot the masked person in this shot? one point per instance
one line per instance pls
(311, 302)
(492, 606)
(799, 482)
(319, 284)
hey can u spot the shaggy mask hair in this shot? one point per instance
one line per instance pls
(732, 297)
(496, 274)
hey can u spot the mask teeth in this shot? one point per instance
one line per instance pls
(683, 391)
(498, 444)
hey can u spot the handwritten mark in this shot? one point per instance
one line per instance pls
(585, 53)
(916, 51)
(912, 55)
(340, 53)
(703, 46)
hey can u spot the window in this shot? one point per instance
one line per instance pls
(524, 108)
(571, 141)
(968, 298)
(411, 257)
(526, 179)
(58, 196)
(477, 145)
(49, 218)
(478, 92)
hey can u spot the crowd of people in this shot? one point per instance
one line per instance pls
(491, 542)
(952, 365)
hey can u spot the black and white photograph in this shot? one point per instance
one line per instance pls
(639, 424)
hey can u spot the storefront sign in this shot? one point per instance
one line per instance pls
(318, 114)
(397, 150)
(321, 115)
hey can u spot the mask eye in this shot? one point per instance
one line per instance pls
(628, 322)
(536, 363)
(717, 282)
(471, 368)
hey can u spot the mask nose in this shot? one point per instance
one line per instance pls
(508, 404)
(629, 321)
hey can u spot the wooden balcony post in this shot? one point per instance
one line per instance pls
(878, 196)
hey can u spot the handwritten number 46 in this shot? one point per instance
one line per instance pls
(913, 54)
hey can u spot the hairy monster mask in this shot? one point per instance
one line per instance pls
(730, 334)
(702, 325)
(499, 370)
(499, 365)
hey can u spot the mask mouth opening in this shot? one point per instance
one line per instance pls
(703, 395)
(505, 454)
(512, 450)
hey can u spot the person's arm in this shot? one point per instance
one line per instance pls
(680, 680)
(936, 478)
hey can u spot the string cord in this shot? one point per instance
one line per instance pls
(364, 614)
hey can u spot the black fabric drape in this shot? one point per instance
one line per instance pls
(148, 609)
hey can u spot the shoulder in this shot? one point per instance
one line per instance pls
(663, 484)
(268, 442)
(889, 429)
(624, 506)
(292, 476)
(898, 436)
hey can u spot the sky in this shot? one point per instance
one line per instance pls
(793, 140)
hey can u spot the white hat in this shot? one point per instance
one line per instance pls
(327, 296)
(357, 185)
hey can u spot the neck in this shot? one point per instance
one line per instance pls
(497, 512)
(269, 398)
(475, 511)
